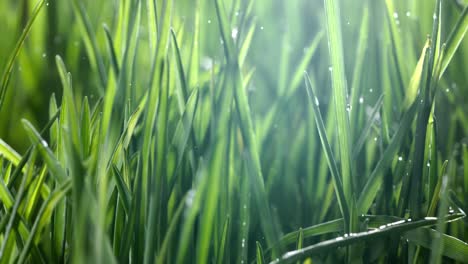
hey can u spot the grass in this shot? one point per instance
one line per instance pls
(234, 131)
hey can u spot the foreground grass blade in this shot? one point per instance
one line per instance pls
(9, 153)
(394, 228)
(9, 68)
(453, 248)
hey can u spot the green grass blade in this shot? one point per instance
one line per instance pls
(340, 96)
(9, 153)
(455, 39)
(398, 227)
(9, 68)
(454, 248)
(374, 181)
(337, 182)
(259, 254)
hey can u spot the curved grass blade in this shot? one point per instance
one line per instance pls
(9, 153)
(9, 68)
(398, 227)
(112, 53)
(54, 166)
(453, 248)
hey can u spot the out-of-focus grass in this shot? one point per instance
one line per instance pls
(212, 131)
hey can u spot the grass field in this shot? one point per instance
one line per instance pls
(233, 131)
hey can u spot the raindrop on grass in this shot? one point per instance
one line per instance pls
(234, 33)
(428, 164)
(44, 55)
(395, 15)
(44, 143)
(447, 90)
(47, 4)
(209, 21)
(434, 16)
(361, 100)
(330, 68)
(261, 28)
(375, 138)
(400, 158)
(317, 103)
(371, 90)
(408, 14)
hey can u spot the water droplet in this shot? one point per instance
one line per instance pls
(395, 15)
(339, 238)
(361, 100)
(237, 13)
(44, 143)
(347, 23)
(317, 103)
(434, 16)
(47, 4)
(245, 206)
(348, 107)
(261, 28)
(447, 90)
(375, 139)
(330, 68)
(209, 21)
(397, 22)
(44, 55)
(244, 223)
(234, 33)
(428, 164)
(371, 90)
(400, 158)
(408, 14)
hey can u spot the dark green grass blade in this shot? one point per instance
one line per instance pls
(9, 67)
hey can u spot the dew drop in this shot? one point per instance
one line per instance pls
(44, 143)
(428, 164)
(330, 68)
(447, 90)
(361, 100)
(408, 14)
(209, 21)
(434, 16)
(395, 15)
(47, 4)
(44, 55)
(400, 158)
(375, 139)
(244, 223)
(234, 33)
(261, 28)
(317, 103)
(371, 90)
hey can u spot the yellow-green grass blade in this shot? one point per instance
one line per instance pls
(259, 254)
(9, 153)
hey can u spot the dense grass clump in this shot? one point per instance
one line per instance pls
(233, 131)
